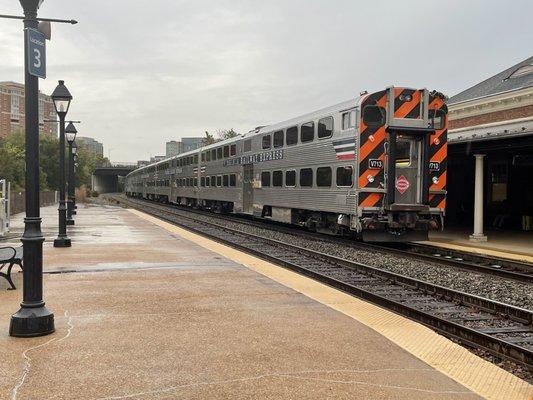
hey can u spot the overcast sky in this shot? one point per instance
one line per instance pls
(143, 72)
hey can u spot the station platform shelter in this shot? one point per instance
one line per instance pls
(147, 310)
(490, 155)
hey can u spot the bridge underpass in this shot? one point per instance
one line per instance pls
(106, 179)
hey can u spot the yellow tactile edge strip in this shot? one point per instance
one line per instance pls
(478, 375)
(481, 250)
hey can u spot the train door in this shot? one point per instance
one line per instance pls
(408, 180)
(248, 190)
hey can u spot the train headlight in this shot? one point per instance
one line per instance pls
(370, 178)
(435, 180)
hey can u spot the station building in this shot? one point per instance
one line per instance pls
(491, 151)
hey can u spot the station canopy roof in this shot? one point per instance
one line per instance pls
(517, 77)
(499, 130)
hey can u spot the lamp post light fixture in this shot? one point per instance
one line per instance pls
(62, 98)
(33, 318)
(70, 133)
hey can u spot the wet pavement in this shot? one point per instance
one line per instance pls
(144, 313)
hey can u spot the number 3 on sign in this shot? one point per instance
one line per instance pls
(37, 60)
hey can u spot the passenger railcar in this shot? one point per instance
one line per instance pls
(375, 165)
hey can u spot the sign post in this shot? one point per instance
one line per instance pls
(36, 53)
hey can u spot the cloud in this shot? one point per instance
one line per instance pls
(144, 72)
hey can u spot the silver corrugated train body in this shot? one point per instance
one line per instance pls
(314, 170)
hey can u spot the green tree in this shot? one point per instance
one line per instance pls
(13, 166)
(224, 134)
(209, 139)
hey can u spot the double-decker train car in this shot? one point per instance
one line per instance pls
(374, 166)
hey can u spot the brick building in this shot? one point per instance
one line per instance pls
(12, 110)
(491, 131)
(90, 144)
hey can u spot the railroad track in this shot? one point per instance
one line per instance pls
(501, 329)
(505, 268)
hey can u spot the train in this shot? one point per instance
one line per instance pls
(373, 167)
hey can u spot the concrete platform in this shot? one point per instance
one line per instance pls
(513, 245)
(145, 310)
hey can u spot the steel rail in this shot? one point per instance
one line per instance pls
(470, 336)
(510, 269)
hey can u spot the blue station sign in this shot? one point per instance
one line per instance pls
(36, 53)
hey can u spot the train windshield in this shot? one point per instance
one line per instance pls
(403, 153)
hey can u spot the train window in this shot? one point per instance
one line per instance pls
(325, 127)
(178, 183)
(202, 157)
(436, 119)
(233, 150)
(291, 136)
(266, 142)
(207, 181)
(278, 139)
(374, 115)
(403, 153)
(219, 180)
(207, 155)
(226, 151)
(225, 180)
(233, 180)
(346, 121)
(202, 181)
(307, 132)
(323, 177)
(306, 177)
(214, 154)
(345, 176)
(219, 153)
(195, 159)
(277, 178)
(167, 182)
(247, 145)
(195, 182)
(265, 179)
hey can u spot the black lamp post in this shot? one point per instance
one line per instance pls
(70, 133)
(75, 166)
(62, 98)
(33, 318)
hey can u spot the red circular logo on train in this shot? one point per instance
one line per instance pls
(402, 184)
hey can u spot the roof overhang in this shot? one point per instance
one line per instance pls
(499, 130)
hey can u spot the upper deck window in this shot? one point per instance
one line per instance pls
(325, 127)
(291, 136)
(247, 145)
(233, 150)
(307, 132)
(349, 120)
(278, 139)
(226, 151)
(266, 142)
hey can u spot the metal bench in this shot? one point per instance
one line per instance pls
(10, 256)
